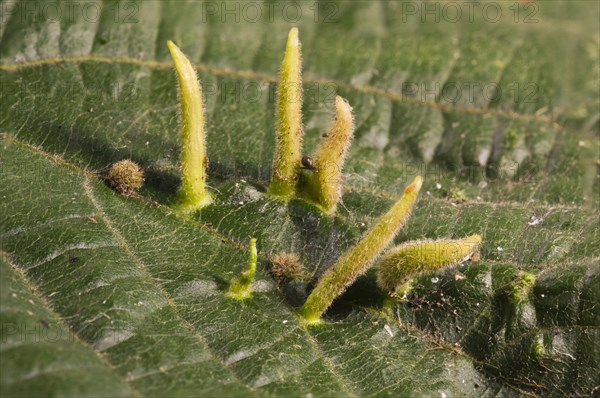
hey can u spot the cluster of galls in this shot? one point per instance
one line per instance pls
(317, 179)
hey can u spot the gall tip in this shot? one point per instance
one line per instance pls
(179, 58)
(173, 47)
(415, 186)
(293, 40)
(342, 107)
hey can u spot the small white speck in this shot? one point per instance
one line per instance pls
(284, 321)
(147, 142)
(477, 304)
(500, 249)
(103, 301)
(31, 302)
(542, 295)
(362, 224)
(533, 221)
(52, 294)
(91, 110)
(435, 279)
(241, 202)
(438, 185)
(14, 295)
(140, 303)
(482, 184)
(242, 180)
(443, 395)
(29, 312)
(388, 329)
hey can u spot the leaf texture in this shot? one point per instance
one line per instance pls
(138, 291)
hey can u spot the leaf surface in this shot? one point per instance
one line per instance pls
(138, 291)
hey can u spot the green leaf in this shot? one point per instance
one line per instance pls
(138, 291)
(39, 351)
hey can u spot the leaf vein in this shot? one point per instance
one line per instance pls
(87, 186)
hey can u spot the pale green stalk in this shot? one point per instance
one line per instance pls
(289, 130)
(241, 288)
(325, 182)
(192, 193)
(411, 259)
(358, 259)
